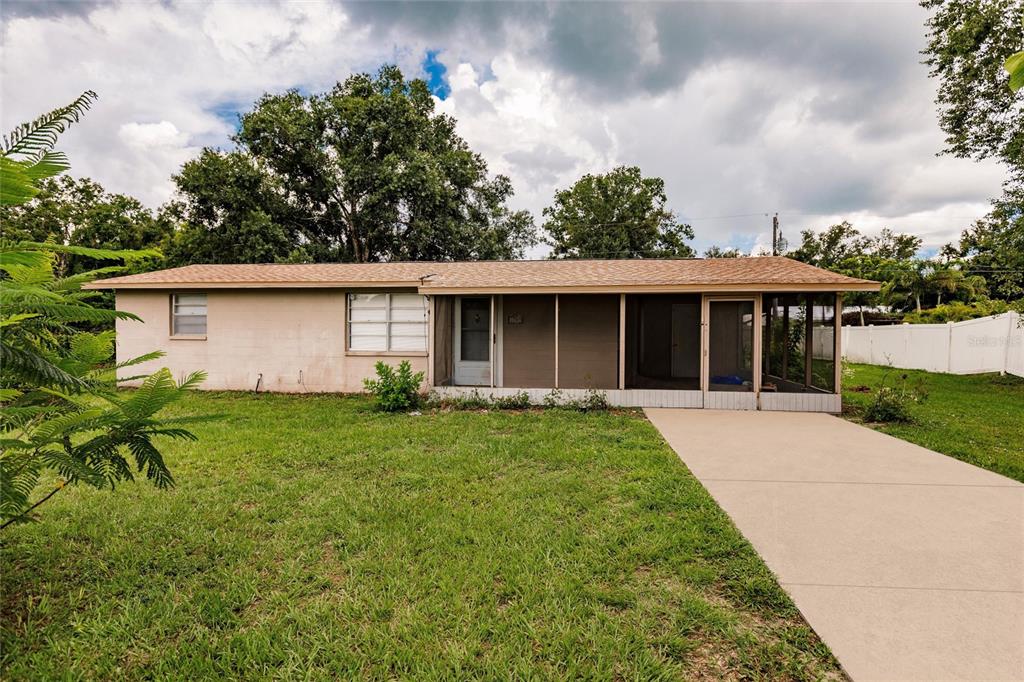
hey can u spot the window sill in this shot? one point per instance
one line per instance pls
(387, 353)
(188, 337)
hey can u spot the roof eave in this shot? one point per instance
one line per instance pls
(107, 284)
(656, 288)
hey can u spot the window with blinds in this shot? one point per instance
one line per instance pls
(387, 322)
(188, 314)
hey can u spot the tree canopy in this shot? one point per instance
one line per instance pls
(974, 50)
(365, 172)
(79, 212)
(719, 252)
(969, 41)
(994, 246)
(619, 214)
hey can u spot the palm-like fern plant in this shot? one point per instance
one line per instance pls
(28, 156)
(62, 419)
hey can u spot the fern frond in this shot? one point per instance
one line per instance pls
(23, 258)
(31, 368)
(127, 255)
(16, 185)
(149, 458)
(73, 283)
(39, 135)
(48, 165)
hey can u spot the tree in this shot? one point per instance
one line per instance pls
(952, 280)
(969, 41)
(619, 214)
(365, 172)
(60, 410)
(81, 213)
(719, 252)
(231, 211)
(994, 246)
(974, 50)
(843, 249)
(829, 248)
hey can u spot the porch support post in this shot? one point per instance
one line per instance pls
(556, 340)
(430, 340)
(809, 341)
(756, 364)
(494, 341)
(622, 341)
(786, 300)
(838, 352)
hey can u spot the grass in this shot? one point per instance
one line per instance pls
(977, 418)
(309, 536)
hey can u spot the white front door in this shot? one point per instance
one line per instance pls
(472, 342)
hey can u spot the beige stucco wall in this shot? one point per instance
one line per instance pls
(295, 338)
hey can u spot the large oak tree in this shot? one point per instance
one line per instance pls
(619, 214)
(365, 172)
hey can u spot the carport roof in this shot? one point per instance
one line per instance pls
(764, 273)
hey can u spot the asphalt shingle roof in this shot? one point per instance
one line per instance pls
(767, 272)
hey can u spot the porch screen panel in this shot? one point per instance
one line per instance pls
(799, 343)
(444, 321)
(823, 343)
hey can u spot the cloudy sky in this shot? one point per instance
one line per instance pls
(820, 111)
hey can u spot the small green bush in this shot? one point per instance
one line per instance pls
(592, 401)
(517, 401)
(892, 403)
(395, 391)
(555, 398)
(959, 312)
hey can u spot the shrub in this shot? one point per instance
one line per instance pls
(892, 403)
(517, 401)
(958, 311)
(472, 401)
(555, 398)
(593, 400)
(395, 391)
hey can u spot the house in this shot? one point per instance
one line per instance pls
(738, 333)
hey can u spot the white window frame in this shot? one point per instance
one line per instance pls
(175, 315)
(389, 324)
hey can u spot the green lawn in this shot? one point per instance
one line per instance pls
(977, 418)
(311, 537)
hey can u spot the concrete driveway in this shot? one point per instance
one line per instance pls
(908, 563)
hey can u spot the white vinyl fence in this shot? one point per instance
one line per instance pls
(987, 344)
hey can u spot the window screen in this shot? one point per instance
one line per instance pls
(188, 314)
(387, 322)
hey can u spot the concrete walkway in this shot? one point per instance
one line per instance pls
(908, 563)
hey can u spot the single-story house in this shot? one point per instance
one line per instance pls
(737, 333)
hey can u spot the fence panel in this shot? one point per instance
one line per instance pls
(987, 344)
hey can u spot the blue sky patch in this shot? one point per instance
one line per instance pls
(436, 72)
(229, 113)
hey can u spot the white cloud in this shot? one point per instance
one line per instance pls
(830, 119)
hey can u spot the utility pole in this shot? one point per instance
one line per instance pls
(775, 234)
